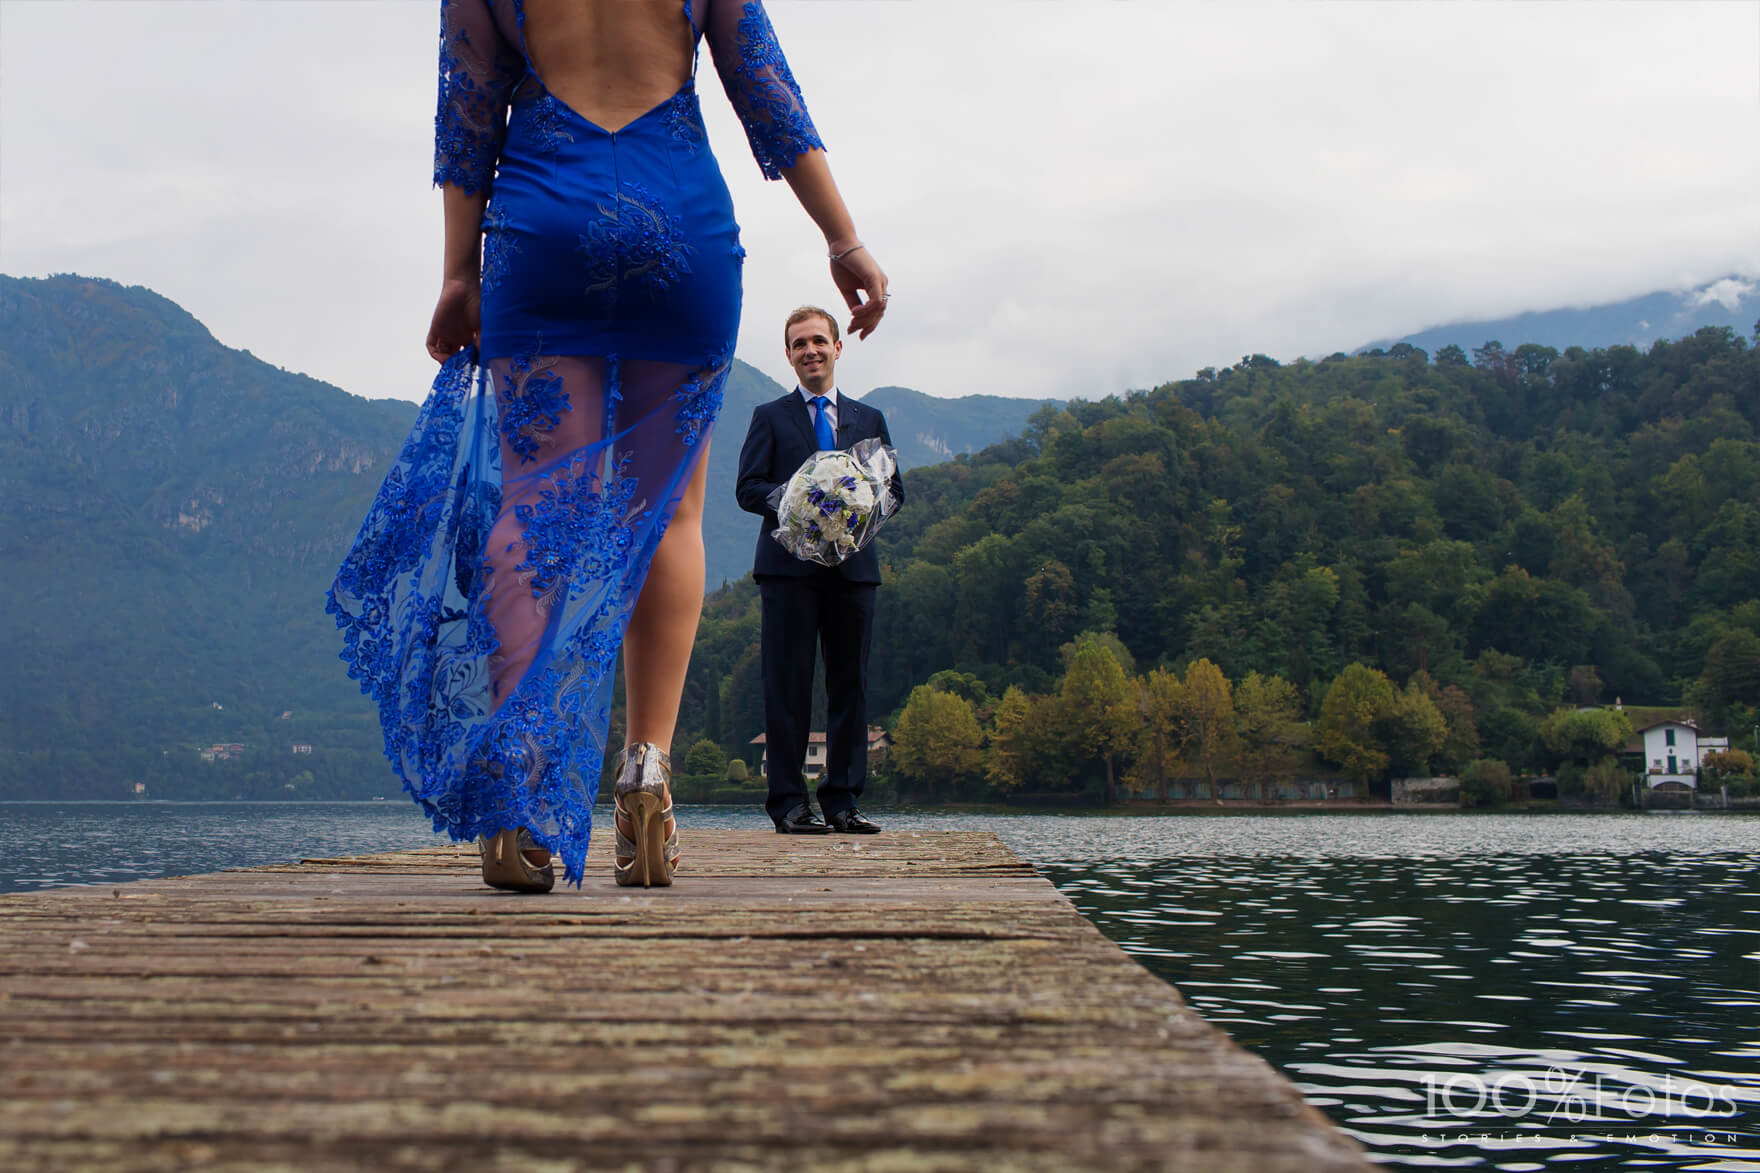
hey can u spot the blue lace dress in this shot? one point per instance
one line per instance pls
(484, 602)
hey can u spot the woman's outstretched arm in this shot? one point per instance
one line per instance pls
(786, 145)
(853, 268)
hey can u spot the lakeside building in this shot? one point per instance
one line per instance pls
(1673, 752)
(879, 741)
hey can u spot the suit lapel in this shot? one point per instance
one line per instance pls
(847, 415)
(796, 409)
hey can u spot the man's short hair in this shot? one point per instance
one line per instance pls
(802, 314)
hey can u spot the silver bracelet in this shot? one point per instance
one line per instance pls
(852, 248)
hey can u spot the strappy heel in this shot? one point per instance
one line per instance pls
(647, 834)
(505, 864)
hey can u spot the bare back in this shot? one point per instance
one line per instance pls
(611, 61)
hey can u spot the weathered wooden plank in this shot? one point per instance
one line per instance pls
(907, 1002)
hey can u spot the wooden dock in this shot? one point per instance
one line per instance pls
(896, 1003)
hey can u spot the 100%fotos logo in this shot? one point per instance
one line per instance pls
(1566, 1097)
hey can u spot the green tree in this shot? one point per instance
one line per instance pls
(741, 693)
(1462, 742)
(736, 770)
(962, 684)
(1605, 781)
(937, 741)
(1052, 603)
(704, 758)
(986, 578)
(1485, 782)
(1584, 684)
(1585, 738)
(1345, 735)
(1729, 685)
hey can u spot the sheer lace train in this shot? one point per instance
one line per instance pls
(484, 603)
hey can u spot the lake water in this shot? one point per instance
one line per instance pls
(1512, 992)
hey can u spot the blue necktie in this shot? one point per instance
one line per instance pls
(822, 425)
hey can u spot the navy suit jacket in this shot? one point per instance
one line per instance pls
(778, 443)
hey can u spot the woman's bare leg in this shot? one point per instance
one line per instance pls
(663, 626)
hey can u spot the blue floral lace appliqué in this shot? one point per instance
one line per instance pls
(700, 401)
(498, 246)
(548, 118)
(635, 243)
(684, 119)
(769, 100)
(531, 405)
(578, 534)
(470, 110)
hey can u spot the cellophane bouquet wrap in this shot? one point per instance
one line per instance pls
(836, 502)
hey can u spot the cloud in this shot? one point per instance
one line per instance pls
(1730, 292)
(1070, 199)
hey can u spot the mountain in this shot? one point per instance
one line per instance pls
(925, 430)
(174, 512)
(1733, 301)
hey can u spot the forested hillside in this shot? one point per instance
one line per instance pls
(174, 510)
(1502, 531)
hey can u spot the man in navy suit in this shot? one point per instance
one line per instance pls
(806, 604)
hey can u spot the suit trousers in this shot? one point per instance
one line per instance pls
(824, 612)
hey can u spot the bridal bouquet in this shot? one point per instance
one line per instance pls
(836, 502)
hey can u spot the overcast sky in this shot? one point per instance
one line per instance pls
(1070, 198)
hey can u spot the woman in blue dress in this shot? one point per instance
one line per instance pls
(546, 508)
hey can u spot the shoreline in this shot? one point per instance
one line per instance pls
(1136, 809)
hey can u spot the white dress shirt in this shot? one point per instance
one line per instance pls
(830, 405)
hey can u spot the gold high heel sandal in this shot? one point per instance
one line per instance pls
(505, 864)
(647, 834)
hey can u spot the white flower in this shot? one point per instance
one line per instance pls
(835, 502)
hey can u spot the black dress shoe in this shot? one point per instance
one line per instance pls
(852, 822)
(801, 821)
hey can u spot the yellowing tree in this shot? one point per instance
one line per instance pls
(1098, 706)
(1345, 735)
(1206, 719)
(1157, 755)
(1412, 730)
(1008, 762)
(937, 740)
(1267, 712)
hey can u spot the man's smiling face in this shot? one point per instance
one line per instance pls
(813, 353)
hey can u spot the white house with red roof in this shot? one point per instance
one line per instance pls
(878, 743)
(1673, 751)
